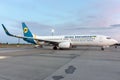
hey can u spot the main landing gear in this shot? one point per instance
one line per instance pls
(115, 46)
(55, 48)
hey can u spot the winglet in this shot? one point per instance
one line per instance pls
(6, 31)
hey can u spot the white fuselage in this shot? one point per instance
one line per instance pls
(81, 40)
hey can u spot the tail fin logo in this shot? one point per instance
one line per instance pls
(25, 30)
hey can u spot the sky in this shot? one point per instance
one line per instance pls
(66, 17)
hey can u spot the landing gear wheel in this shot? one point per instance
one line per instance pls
(115, 46)
(55, 48)
(102, 49)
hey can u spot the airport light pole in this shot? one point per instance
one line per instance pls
(52, 31)
(18, 44)
(18, 41)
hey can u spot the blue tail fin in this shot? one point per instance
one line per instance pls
(26, 31)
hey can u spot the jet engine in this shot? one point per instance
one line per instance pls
(64, 45)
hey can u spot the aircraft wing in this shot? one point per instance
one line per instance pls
(9, 34)
(48, 41)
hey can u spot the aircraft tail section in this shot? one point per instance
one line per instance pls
(27, 34)
(26, 31)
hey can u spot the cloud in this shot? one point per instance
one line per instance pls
(95, 17)
(115, 25)
(35, 27)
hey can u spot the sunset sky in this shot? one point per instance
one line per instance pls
(79, 17)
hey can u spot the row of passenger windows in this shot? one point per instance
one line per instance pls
(79, 36)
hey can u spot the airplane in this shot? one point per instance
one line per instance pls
(65, 41)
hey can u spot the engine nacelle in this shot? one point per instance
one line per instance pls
(64, 45)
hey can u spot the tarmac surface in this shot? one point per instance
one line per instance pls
(83, 63)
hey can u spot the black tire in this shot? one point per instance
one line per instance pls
(115, 46)
(102, 49)
(55, 48)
